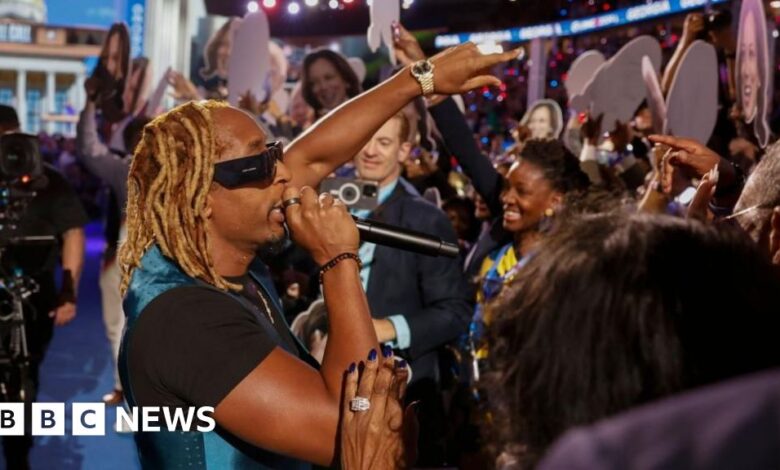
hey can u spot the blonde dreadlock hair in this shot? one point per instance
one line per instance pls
(170, 176)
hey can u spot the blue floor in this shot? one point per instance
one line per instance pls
(78, 368)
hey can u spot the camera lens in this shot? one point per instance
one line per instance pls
(349, 194)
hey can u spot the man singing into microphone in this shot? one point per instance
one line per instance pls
(204, 328)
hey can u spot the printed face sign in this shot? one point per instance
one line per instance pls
(753, 69)
(544, 119)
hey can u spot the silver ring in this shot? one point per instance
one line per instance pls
(359, 404)
(291, 202)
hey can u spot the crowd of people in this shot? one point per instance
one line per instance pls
(603, 271)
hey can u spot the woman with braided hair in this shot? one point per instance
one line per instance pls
(204, 326)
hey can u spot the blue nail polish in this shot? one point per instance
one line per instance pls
(352, 367)
(387, 351)
(372, 355)
(401, 364)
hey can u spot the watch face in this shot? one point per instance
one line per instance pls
(421, 68)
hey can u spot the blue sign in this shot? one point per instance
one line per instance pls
(620, 17)
(94, 13)
(136, 14)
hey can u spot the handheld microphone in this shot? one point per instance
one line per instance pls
(404, 239)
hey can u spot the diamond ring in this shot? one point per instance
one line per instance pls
(359, 404)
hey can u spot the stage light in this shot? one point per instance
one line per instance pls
(269, 3)
(775, 4)
(251, 7)
(312, 3)
(333, 4)
(348, 1)
(293, 8)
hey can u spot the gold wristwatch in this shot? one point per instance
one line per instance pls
(422, 71)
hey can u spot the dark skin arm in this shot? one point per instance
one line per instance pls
(303, 403)
(340, 135)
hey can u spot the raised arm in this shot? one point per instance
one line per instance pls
(336, 138)
(460, 141)
(95, 155)
(693, 25)
(455, 131)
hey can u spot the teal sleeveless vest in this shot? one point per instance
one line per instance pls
(193, 450)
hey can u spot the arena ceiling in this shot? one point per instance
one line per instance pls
(447, 15)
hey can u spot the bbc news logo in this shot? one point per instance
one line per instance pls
(89, 419)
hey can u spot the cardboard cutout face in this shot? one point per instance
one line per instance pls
(544, 119)
(692, 101)
(655, 97)
(753, 69)
(383, 14)
(250, 60)
(617, 89)
(582, 70)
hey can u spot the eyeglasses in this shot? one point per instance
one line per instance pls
(252, 169)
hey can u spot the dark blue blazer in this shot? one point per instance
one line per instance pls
(430, 292)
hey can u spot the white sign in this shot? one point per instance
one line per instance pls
(12, 32)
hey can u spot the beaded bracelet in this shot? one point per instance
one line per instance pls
(332, 263)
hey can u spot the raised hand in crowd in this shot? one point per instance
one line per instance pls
(420, 167)
(376, 433)
(407, 48)
(249, 103)
(591, 129)
(704, 194)
(694, 160)
(621, 136)
(183, 88)
(692, 27)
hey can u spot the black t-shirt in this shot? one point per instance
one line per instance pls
(192, 345)
(54, 210)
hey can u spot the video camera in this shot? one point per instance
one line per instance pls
(21, 172)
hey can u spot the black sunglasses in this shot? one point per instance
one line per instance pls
(252, 169)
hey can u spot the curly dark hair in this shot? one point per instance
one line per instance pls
(342, 66)
(618, 310)
(558, 164)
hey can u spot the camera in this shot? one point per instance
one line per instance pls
(21, 173)
(354, 193)
(106, 91)
(20, 159)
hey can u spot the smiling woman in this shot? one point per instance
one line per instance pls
(537, 187)
(328, 80)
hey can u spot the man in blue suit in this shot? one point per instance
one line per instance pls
(419, 303)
